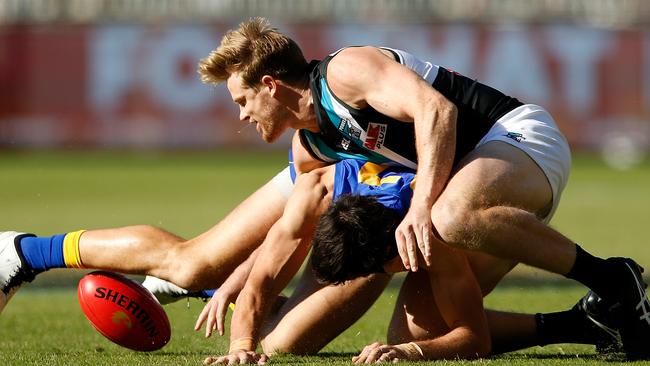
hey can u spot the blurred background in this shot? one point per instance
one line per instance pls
(104, 122)
(107, 74)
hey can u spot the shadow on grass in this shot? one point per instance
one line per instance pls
(513, 357)
(559, 356)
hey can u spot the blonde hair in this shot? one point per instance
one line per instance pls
(254, 49)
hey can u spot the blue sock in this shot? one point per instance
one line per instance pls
(202, 294)
(44, 253)
(208, 293)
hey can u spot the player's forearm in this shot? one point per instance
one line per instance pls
(435, 137)
(253, 306)
(280, 258)
(250, 311)
(461, 342)
(237, 279)
(246, 267)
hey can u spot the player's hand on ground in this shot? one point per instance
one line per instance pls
(214, 312)
(378, 353)
(415, 234)
(238, 358)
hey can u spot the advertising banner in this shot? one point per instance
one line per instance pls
(136, 86)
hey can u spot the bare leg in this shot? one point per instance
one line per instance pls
(491, 203)
(314, 315)
(198, 263)
(488, 269)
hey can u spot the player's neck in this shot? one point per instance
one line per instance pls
(306, 115)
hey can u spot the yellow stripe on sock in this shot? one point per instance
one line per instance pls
(71, 255)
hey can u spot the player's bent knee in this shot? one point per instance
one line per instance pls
(457, 226)
(196, 276)
(187, 273)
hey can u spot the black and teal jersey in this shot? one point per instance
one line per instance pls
(366, 134)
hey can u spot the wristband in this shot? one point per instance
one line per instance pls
(411, 350)
(242, 344)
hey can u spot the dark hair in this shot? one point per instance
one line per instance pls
(354, 238)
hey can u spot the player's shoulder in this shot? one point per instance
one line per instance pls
(356, 51)
(353, 71)
(302, 160)
(349, 59)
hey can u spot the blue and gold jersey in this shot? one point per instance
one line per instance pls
(392, 186)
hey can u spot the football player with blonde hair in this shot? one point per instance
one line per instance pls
(491, 169)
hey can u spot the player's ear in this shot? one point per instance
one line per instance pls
(269, 83)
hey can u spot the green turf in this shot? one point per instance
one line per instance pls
(48, 327)
(48, 192)
(52, 192)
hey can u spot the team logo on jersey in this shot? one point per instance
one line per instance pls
(515, 136)
(348, 128)
(345, 144)
(375, 136)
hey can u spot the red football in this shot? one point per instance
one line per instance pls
(123, 311)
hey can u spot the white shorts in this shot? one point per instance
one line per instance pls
(531, 129)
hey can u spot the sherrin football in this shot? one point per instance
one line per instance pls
(123, 311)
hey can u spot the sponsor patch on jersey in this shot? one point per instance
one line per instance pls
(345, 143)
(375, 136)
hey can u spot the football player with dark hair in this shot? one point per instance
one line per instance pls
(491, 168)
(355, 238)
(362, 204)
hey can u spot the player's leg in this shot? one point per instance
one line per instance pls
(513, 331)
(202, 262)
(488, 269)
(315, 314)
(495, 203)
(416, 316)
(590, 321)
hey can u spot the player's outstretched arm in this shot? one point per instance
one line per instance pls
(281, 255)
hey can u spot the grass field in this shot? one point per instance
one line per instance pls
(53, 192)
